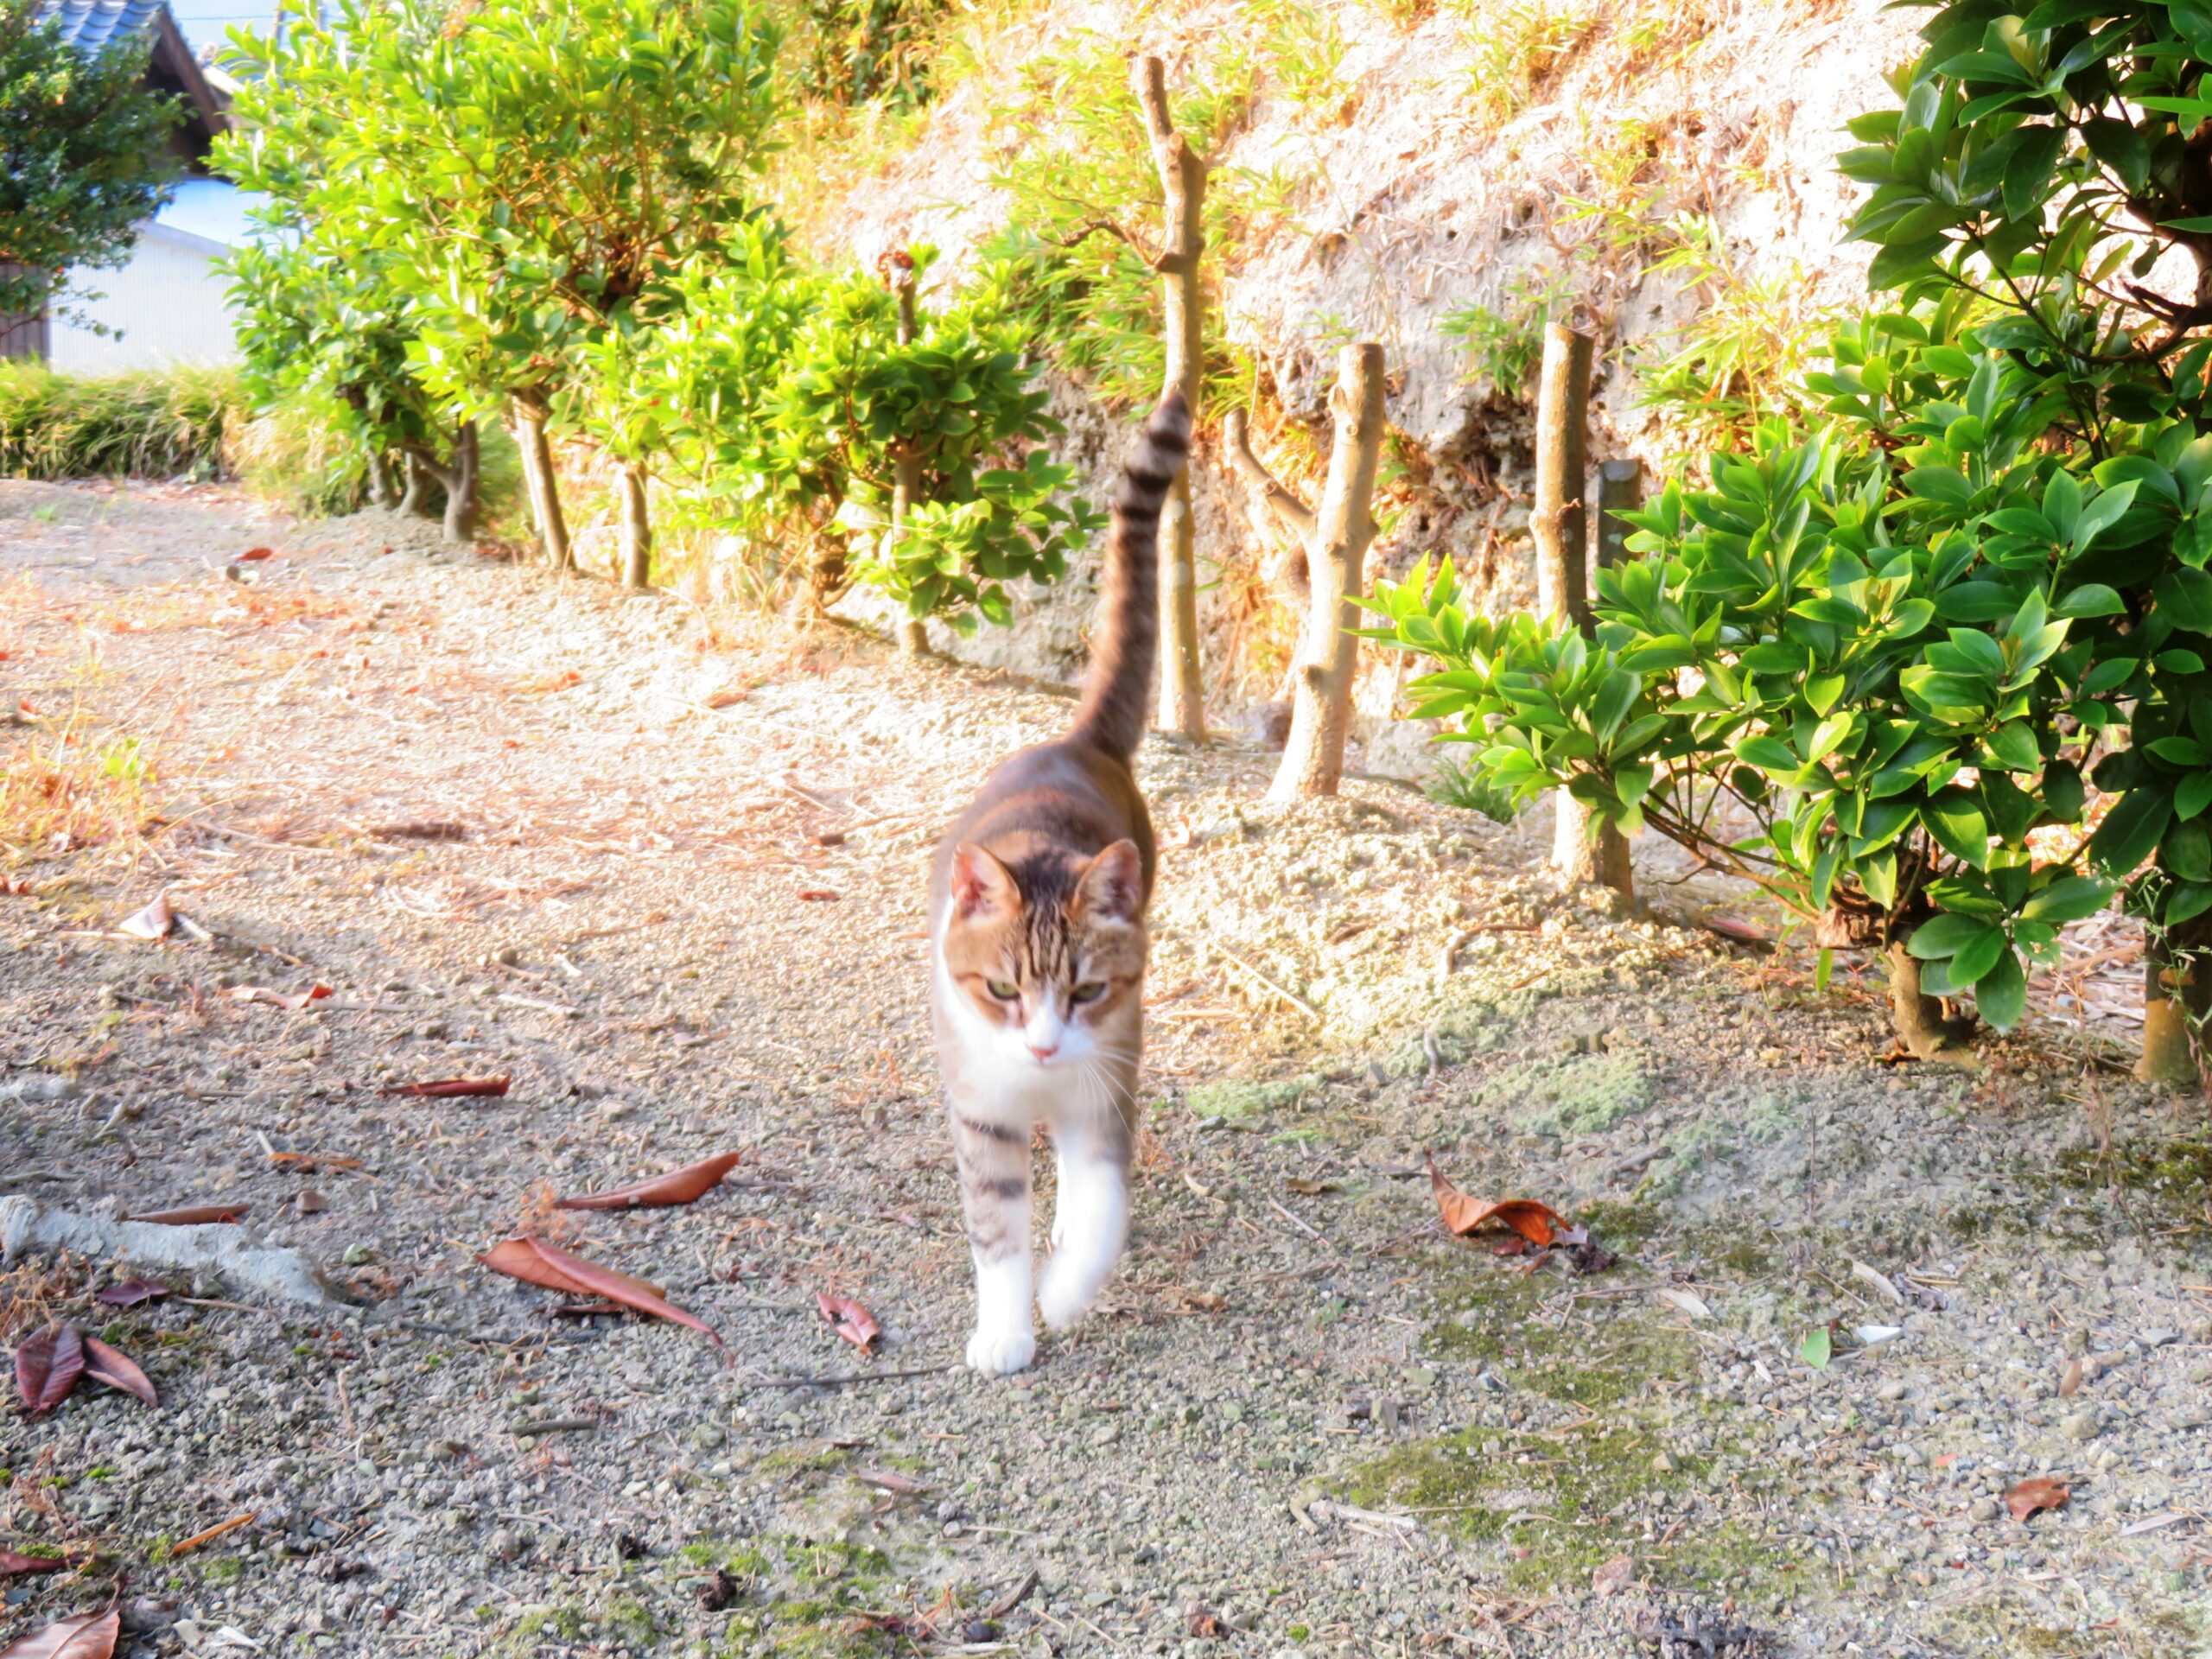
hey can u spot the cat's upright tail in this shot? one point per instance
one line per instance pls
(1118, 689)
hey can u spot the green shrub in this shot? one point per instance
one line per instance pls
(148, 424)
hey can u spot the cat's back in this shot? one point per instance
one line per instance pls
(1069, 793)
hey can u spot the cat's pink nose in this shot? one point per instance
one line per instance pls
(1044, 1051)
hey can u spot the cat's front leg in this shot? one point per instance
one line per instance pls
(1091, 1220)
(993, 1159)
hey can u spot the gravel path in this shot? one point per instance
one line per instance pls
(682, 910)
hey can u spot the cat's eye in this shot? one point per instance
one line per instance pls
(1004, 992)
(1090, 991)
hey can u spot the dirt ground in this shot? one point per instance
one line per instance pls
(665, 869)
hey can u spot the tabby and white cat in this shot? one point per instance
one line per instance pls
(1037, 904)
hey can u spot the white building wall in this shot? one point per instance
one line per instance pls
(166, 306)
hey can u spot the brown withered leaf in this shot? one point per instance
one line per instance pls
(1537, 1223)
(155, 921)
(421, 829)
(255, 554)
(88, 1636)
(543, 685)
(818, 896)
(1206, 1625)
(103, 1364)
(536, 1263)
(1312, 1189)
(199, 1215)
(521, 1258)
(1614, 1576)
(2032, 1496)
(849, 1320)
(133, 1291)
(891, 1480)
(47, 1365)
(449, 1088)
(725, 697)
(2069, 1380)
(683, 1186)
(293, 1000)
(12, 1564)
(16, 887)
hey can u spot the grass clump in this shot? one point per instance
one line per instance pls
(72, 789)
(148, 424)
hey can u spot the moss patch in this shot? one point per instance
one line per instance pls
(1234, 1099)
(1604, 1355)
(1586, 1095)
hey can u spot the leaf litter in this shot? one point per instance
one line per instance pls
(683, 1186)
(535, 1262)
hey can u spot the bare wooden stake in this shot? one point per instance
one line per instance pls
(1328, 571)
(906, 460)
(1183, 188)
(1561, 527)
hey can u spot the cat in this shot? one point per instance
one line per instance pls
(1037, 895)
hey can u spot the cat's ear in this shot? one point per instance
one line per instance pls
(980, 882)
(1111, 887)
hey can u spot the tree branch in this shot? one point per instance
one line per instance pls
(1292, 572)
(1090, 227)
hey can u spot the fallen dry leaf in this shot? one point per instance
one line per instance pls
(88, 1636)
(1688, 1300)
(155, 921)
(203, 1215)
(16, 887)
(521, 1258)
(111, 1366)
(539, 1264)
(421, 829)
(449, 1088)
(818, 896)
(47, 1365)
(1310, 1189)
(132, 1292)
(891, 1480)
(255, 554)
(725, 697)
(1206, 1625)
(543, 683)
(2030, 1496)
(849, 1320)
(293, 1000)
(678, 1186)
(2069, 1380)
(12, 1564)
(1537, 1223)
(1614, 1575)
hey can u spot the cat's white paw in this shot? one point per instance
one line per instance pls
(1062, 1298)
(1001, 1352)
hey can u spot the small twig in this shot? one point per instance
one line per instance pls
(554, 1426)
(850, 1376)
(1013, 1598)
(1304, 1225)
(213, 1533)
(1291, 997)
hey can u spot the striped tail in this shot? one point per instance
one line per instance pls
(1118, 689)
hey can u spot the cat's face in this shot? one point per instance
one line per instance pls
(1051, 979)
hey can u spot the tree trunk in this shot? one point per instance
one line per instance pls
(637, 531)
(1620, 489)
(1313, 758)
(2177, 998)
(383, 488)
(461, 486)
(1561, 530)
(415, 501)
(906, 464)
(1183, 186)
(544, 485)
(1919, 1019)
